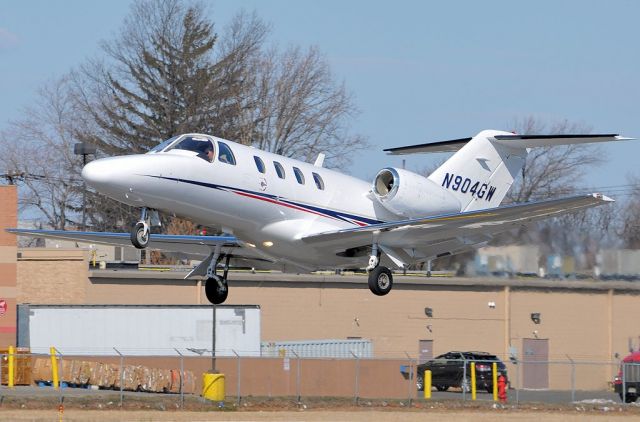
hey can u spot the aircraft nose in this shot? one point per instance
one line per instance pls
(97, 173)
(117, 177)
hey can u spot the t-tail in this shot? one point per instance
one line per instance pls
(483, 169)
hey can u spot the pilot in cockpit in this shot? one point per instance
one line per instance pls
(206, 151)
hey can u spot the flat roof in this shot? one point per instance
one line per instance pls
(208, 306)
(349, 280)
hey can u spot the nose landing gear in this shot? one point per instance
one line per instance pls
(140, 235)
(140, 232)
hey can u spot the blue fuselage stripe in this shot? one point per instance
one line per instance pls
(327, 212)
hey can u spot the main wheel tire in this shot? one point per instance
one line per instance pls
(380, 280)
(420, 383)
(138, 237)
(442, 387)
(216, 294)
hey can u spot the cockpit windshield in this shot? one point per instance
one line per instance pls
(163, 145)
(201, 145)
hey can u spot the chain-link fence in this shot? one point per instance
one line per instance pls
(178, 374)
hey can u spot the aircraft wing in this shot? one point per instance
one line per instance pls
(436, 234)
(200, 246)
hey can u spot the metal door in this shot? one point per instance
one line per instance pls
(425, 350)
(535, 365)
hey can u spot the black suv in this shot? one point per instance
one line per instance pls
(447, 370)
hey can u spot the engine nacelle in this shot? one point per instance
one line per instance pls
(410, 195)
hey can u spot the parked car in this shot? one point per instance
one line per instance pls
(448, 370)
(631, 377)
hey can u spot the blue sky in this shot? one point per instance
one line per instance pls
(419, 71)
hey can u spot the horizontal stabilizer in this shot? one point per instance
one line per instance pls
(534, 141)
(512, 141)
(441, 146)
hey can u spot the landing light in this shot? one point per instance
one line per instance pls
(267, 244)
(251, 245)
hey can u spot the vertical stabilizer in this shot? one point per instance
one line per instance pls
(480, 174)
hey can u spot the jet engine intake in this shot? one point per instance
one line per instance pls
(410, 195)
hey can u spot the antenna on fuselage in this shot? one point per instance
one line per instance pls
(319, 160)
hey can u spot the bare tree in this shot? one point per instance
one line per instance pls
(169, 72)
(629, 226)
(551, 171)
(300, 110)
(38, 150)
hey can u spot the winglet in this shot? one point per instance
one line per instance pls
(603, 198)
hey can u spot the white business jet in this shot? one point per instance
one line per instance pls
(283, 210)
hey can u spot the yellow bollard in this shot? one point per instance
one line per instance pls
(10, 369)
(213, 386)
(473, 381)
(495, 381)
(54, 367)
(427, 384)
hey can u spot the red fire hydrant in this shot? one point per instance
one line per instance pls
(502, 388)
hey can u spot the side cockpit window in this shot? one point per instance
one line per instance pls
(225, 155)
(203, 147)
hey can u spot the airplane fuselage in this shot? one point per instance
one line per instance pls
(246, 199)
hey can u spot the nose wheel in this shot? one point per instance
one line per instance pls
(140, 235)
(141, 231)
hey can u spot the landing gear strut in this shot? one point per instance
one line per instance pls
(216, 288)
(380, 277)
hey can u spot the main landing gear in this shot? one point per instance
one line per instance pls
(380, 278)
(140, 232)
(216, 288)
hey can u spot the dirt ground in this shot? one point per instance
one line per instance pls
(408, 415)
(287, 409)
(141, 407)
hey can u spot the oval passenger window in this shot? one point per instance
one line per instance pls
(318, 180)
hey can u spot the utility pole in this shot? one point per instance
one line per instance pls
(84, 149)
(213, 340)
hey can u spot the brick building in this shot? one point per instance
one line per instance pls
(8, 265)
